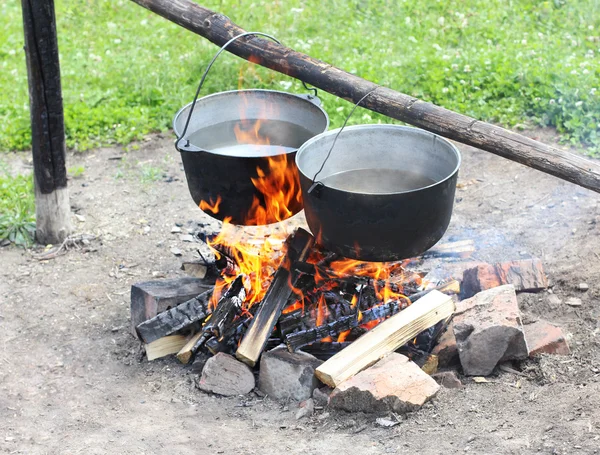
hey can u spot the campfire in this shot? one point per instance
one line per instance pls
(285, 306)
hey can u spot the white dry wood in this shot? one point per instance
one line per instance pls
(53, 216)
(185, 353)
(164, 346)
(386, 337)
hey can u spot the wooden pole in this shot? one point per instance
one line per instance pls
(52, 208)
(513, 146)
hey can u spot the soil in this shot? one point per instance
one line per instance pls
(73, 379)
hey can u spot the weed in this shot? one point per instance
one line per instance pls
(76, 171)
(17, 209)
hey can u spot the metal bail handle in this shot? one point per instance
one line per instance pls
(187, 146)
(316, 187)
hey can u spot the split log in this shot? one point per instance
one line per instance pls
(149, 298)
(52, 208)
(219, 324)
(296, 340)
(219, 29)
(164, 346)
(186, 353)
(261, 327)
(385, 338)
(183, 316)
(229, 306)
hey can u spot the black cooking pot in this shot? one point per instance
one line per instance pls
(220, 168)
(385, 193)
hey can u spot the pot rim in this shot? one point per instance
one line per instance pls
(303, 149)
(252, 90)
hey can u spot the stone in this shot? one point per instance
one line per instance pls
(176, 251)
(489, 330)
(149, 298)
(186, 237)
(583, 287)
(573, 301)
(448, 379)
(392, 384)
(545, 338)
(525, 275)
(446, 350)
(224, 375)
(321, 396)
(285, 374)
(175, 230)
(307, 408)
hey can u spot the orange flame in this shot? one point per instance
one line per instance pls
(256, 253)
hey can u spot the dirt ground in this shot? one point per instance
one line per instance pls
(73, 379)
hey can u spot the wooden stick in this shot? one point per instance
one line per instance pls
(219, 29)
(178, 318)
(385, 338)
(253, 343)
(165, 346)
(52, 208)
(186, 353)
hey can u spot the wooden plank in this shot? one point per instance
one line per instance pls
(162, 347)
(169, 322)
(462, 249)
(261, 327)
(219, 29)
(52, 208)
(385, 338)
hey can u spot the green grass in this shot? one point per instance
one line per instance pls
(17, 209)
(126, 71)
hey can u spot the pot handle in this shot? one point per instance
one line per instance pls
(316, 187)
(183, 144)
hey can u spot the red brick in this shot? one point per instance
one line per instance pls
(392, 384)
(524, 275)
(446, 349)
(545, 338)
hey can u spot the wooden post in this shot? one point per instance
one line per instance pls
(53, 223)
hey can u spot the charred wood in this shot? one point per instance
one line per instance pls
(183, 316)
(298, 248)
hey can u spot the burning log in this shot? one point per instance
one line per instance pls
(386, 337)
(333, 329)
(282, 285)
(325, 350)
(169, 322)
(219, 29)
(219, 323)
(229, 306)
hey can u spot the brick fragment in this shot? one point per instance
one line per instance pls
(545, 338)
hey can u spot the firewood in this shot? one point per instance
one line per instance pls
(386, 337)
(185, 354)
(164, 346)
(325, 350)
(333, 329)
(253, 343)
(228, 307)
(178, 318)
(150, 298)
